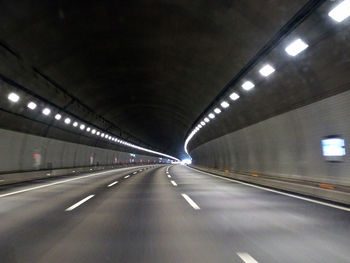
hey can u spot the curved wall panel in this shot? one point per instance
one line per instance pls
(288, 145)
(24, 152)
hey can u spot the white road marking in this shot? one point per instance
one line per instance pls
(246, 257)
(112, 183)
(169, 175)
(127, 176)
(79, 203)
(278, 192)
(173, 182)
(60, 182)
(190, 201)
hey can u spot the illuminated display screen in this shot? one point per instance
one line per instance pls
(333, 147)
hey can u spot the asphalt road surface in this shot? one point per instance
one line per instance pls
(167, 214)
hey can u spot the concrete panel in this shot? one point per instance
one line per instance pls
(23, 152)
(288, 145)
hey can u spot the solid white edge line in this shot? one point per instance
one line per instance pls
(191, 202)
(246, 257)
(173, 182)
(79, 203)
(111, 184)
(277, 192)
(60, 182)
(169, 175)
(127, 176)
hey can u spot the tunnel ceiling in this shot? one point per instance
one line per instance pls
(150, 67)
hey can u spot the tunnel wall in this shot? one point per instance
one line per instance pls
(286, 146)
(24, 152)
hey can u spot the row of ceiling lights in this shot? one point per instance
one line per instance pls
(339, 13)
(46, 111)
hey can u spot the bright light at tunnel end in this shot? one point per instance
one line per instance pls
(186, 161)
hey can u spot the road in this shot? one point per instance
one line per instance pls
(165, 214)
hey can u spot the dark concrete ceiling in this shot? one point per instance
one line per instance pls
(150, 67)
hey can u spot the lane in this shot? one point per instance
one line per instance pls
(144, 218)
(29, 216)
(111, 184)
(79, 203)
(267, 226)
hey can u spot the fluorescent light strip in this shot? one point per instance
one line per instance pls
(224, 104)
(296, 47)
(47, 111)
(248, 85)
(266, 70)
(341, 11)
(32, 105)
(13, 97)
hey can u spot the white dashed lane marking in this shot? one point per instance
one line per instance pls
(191, 202)
(79, 203)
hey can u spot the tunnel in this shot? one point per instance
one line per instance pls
(175, 131)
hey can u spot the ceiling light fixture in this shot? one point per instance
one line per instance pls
(341, 11)
(58, 116)
(217, 110)
(67, 120)
(224, 104)
(234, 96)
(248, 85)
(13, 97)
(266, 70)
(296, 47)
(46, 111)
(31, 105)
